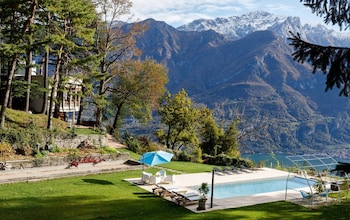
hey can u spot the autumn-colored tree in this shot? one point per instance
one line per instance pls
(113, 45)
(136, 92)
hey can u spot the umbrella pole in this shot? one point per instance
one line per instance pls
(143, 164)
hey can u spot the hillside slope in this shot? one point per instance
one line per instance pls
(256, 75)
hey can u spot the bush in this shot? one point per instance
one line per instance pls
(56, 149)
(107, 150)
(223, 160)
(183, 156)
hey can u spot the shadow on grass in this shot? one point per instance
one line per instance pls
(97, 181)
(133, 206)
(88, 207)
(144, 194)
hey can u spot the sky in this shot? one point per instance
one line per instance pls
(179, 12)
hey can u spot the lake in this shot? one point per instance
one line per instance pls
(271, 162)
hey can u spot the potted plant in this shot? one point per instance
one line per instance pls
(319, 186)
(203, 190)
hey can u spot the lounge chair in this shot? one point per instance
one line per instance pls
(187, 198)
(228, 170)
(306, 195)
(171, 191)
(235, 169)
(245, 169)
(218, 171)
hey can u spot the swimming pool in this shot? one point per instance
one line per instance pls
(229, 190)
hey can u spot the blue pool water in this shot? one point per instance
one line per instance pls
(229, 190)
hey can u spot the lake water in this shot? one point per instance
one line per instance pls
(271, 162)
(268, 160)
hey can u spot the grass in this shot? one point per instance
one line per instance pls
(87, 131)
(108, 196)
(23, 119)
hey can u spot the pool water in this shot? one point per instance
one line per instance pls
(229, 190)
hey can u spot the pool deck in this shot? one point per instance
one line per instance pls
(190, 180)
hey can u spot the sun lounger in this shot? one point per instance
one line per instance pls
(187, 198)
(235, 169)
(245, 169)
(306, 195)
(218, 171)
(228, 170)
(172, 191)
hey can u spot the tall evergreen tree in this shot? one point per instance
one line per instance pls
(16, 18)
(332, 61)
(71, 34)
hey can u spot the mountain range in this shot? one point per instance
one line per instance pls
(242, 67)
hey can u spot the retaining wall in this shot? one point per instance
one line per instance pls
(57, 161)
(93, 139)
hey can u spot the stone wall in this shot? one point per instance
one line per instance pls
(93, 139)
(58, 161)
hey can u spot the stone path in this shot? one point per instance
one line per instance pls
(52, 172)
(112, 142)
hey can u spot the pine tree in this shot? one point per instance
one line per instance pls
(16, 19)
(332, 61)
(71, 35)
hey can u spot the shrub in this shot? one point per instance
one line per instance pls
(183, 156)
(56, 149)
(107, 150)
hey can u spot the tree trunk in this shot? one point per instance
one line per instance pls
(8, 90)
(99, 109)
(54, 89)
(46, 83)
(28, 77)
(116, 120)
(81, 108)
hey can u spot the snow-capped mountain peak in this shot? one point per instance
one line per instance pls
(237, 27)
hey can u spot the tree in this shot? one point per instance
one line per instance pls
(218, 139)
(112, 46)
(210, 133)
(137, 90)
(72, 34)
(181, 120)
(16, 19)
(332, 61)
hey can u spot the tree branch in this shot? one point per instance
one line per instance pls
(332, 61)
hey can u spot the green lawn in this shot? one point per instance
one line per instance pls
(108, 196)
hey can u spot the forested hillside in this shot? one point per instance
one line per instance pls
(279, 101)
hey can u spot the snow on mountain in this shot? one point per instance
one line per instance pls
(237, 27)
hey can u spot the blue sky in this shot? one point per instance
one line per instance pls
(178, 12)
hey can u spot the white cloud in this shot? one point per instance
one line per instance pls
(178, 12)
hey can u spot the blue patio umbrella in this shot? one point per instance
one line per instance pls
(156, 157)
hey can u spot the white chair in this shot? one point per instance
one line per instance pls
(146, 177)
(161, 174)
(169, 179)
(154, 180)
